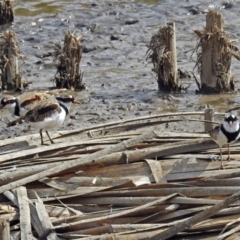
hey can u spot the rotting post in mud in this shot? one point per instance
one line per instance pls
(67, 60)
(9, 55)
(6, 12)
(214, 53)
(162, 52)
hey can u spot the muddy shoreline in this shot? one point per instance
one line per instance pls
(119, 81)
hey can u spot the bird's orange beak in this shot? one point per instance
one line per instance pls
(76, 102)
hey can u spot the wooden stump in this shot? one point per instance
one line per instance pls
(67, 60)
(10, 53)
(6, 12)
(215, 51)
(162, 52)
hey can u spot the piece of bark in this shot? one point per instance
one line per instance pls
(25, 219)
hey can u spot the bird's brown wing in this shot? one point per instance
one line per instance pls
(41, 110)
(44, 109)
(214, 132)
(30, 99)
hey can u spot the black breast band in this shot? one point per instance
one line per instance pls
(231, 136)
(64, 107)
(17, 109)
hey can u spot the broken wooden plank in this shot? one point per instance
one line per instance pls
(4, 230)
(48, 232)
(25, 220)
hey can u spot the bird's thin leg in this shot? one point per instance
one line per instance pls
(229, 158)
(49, 137)
(41, 135)
(222, 166)
(229, 153)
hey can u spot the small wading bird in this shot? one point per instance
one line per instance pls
(47, 114)
(21, 104)
(225, 134)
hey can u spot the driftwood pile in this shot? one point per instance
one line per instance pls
(124, 180)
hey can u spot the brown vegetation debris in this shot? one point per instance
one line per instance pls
(9, 55)
(162, 52)
(67, 60)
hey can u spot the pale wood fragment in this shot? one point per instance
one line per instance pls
(47, 226)
(4, 230)
(25, 219)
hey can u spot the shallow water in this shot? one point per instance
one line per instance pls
(119, 81)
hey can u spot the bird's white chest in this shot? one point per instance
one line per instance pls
(23, 111)
(53, 121)
(221, 139)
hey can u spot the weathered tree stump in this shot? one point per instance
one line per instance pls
(215, 51)
(6, 12)
(9, 55)
(162, 52)
(67, 60)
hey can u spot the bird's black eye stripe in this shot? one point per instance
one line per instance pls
(231, 118)
(3, 102)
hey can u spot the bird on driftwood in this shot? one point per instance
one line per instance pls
(226, 133)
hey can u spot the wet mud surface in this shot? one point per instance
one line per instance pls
(119, 80)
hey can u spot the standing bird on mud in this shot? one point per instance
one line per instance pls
(225, 134)
(47, 114)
